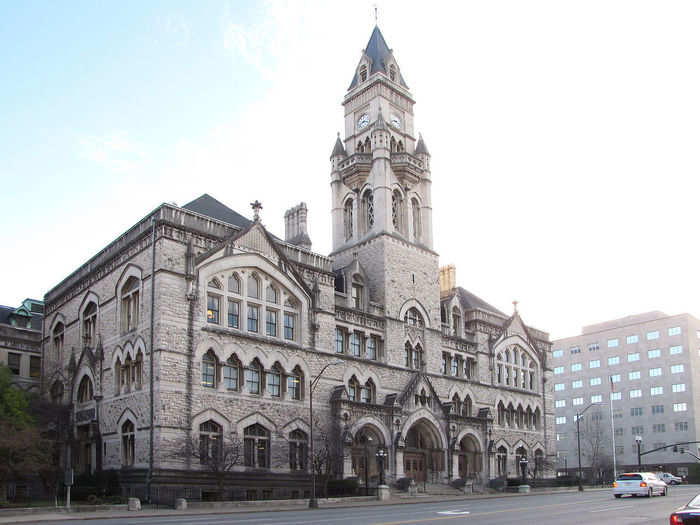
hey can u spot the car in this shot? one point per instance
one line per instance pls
(669, 478)
(639, 484)
(688, 514)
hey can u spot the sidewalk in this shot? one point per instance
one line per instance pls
(33, 515)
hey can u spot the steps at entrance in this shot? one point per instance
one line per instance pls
(438, 489)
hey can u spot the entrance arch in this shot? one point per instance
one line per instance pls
(470, 457)
(424, 454)
(365, 444)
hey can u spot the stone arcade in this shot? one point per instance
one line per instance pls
(241, 321)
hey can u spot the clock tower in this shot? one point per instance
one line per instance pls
(381, 188)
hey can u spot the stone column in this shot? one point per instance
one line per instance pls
(455, 466)
(399, 464)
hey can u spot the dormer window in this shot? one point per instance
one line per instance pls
(363, 73)
(356, 295)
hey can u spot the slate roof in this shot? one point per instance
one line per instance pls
(421, 147)
(379, 53)
(338, 149)
(469, 301)
(209, 206)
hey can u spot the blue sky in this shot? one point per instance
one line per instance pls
(563, 135)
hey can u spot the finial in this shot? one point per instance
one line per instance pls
(515, 307)
(257, 206)
(375, 15)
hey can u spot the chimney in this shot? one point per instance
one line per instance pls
(295, 226)
(448, 278)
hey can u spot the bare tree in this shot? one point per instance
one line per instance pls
(217, 454)
(595, 440)
(328, 452)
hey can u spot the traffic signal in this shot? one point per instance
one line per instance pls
(675, 448)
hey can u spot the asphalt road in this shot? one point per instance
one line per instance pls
(597, 507)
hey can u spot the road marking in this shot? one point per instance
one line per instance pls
(419, 521)
(605, 509)
(454, 512)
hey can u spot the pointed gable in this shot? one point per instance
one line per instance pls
(379, 56)
(209, 206)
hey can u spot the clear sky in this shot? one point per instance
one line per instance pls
(564, 135)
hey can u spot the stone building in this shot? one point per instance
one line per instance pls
(240, 323)
(20, 343)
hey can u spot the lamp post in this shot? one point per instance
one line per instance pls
(578, 441)
(313, 502)
(381, 456)
(638, 439)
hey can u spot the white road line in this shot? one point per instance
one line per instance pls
(605, 509)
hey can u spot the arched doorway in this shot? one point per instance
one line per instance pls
(364, 459)
(470, 460)
(424, 455)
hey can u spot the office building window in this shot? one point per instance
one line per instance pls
(654, 354)
(679, 387)
(634, 375)
(657, 391)
(635, 393)
(577, 384)
(561, 420)
(615, 396)
(638, 430)
(675, 350)
(658, 427)
(576, 367)
(652, 335)
(558, 353)
(680, 407)
(653, 372)
(560, 403)
(676, 330)
(633, 357)
(613, 360)
(594, 381)
(558, 370)
(577, 401)
(636, 411)
(593, 347)
(597, 398)
(657, 409)
(612, 343)
(575, 349)
(595, 363)
(615, 378)
(631, 339)
(558, 387)
(681, 426)
(677, 369)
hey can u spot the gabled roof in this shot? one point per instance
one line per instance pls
(378, 53)
(469, 301)
(209, 206)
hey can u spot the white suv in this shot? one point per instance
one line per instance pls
(639, 484)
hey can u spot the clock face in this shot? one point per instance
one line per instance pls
(395, 121)
(363, 121)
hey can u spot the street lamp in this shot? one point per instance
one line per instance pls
(313, 502)
(638, 439)
(578, 440)
(381, 456)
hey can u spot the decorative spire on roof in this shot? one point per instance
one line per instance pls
(338, 149)
(257, 206)
(380, 124)
(515, 307)
(421, 147)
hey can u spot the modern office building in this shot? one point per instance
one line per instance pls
(645, 364)
(20, 343)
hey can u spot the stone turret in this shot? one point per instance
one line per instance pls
(295, 226)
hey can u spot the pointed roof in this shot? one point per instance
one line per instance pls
(209, 206)
(421, 147)
(378, 52)
(380, 124)
(338, 149)
(469, 301)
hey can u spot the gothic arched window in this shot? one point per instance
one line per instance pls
(413, 317)
(415, 213)
(298, 450)
(58, 332)
(368, 208)
(347, 219)
(130, 304)
(231, 373)
(256, 442)
(368, 145)
(210, 435)
(397, 210)
(363, 73)
(128, 445)
(209, 364)
(85, 391)
(90, 324)
(253, 286)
